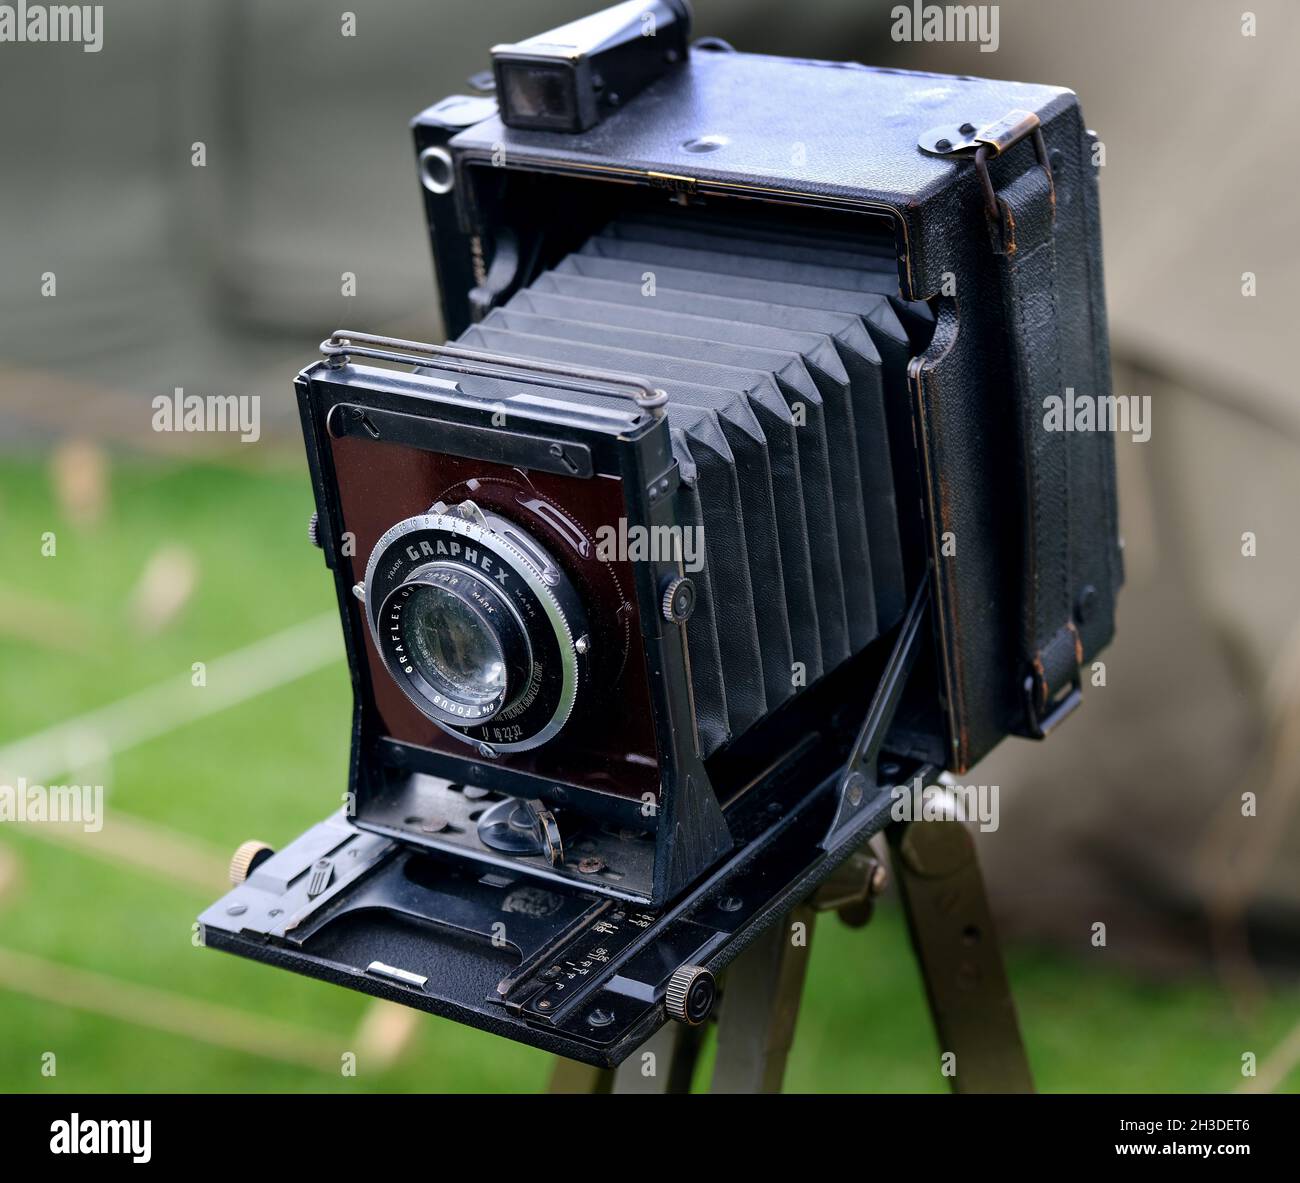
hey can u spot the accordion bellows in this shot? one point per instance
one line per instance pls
(778, 352)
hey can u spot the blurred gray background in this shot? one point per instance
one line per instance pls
(222, 279)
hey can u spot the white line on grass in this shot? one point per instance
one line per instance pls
(190, 1018)
(232, 679)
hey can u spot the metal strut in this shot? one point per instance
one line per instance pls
(343, 344)
(858, 782)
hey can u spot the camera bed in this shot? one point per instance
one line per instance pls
(578, 974)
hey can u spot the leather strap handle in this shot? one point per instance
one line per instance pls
(1022, 225)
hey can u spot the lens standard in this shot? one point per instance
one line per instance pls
(454, 646)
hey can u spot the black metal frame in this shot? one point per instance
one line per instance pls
(337, 394)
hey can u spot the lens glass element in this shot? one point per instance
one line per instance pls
(454, 646)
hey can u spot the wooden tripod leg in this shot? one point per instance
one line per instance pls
(675, 1049)
(572, 1076)
(952, 932)
(760, 1006)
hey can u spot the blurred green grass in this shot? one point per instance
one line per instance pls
(274, 764)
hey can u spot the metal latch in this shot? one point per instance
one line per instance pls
(985, 141)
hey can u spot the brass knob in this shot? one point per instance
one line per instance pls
(246, 858)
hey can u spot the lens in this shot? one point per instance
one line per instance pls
(487, 637)
(454, 646)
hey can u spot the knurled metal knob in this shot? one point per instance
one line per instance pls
(246, 858)
(691, 991)
(679, 600)
(313, 528)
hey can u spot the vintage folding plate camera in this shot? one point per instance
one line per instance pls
(641, 226)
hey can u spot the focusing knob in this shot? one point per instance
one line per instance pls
(313, 528)
(679, 600)
(691, 991)
(246, 858)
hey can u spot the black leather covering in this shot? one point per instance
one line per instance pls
(1020, 526)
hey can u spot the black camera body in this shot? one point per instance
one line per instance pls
(730, 507)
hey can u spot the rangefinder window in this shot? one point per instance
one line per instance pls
(569, 78)
(537, 95)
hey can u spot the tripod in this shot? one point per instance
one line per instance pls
(952, 935)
